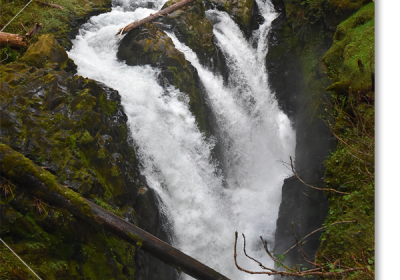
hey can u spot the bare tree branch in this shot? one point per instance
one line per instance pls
(318, 229)
(320, 189)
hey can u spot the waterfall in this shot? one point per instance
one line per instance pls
(205, 207)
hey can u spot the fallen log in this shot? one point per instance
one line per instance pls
(49, 4)
(12, 40)
(152, 17)
(41, 183)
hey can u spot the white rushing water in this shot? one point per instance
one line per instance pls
(204, 208)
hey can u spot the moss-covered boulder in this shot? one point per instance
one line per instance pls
(74, 128)
(350, 62)
(192, 27)
(47, 52)
(149, 45)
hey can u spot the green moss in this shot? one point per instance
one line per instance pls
(45, 238)
(55, 21)
(347, 58)
(350, 168)
(239, 9)
(109, 107)
(46, 51)
(115, 171)
(54, 120)
(194, 28)
(86, 138)
(137, 239)
(102, 153)
(350, 61)
(106, 206)
(15, 163)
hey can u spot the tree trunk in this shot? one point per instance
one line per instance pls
(41, 183)
(13, 40)
(152, 17)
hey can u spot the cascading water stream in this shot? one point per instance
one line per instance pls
(204, 212)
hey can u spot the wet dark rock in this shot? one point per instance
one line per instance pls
(191, 27)
(304, 207)
(241, 11)
(150, 45)
(76, 129)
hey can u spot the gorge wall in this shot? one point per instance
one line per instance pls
(298, 41)
(76, 129)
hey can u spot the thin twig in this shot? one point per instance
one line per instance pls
(320, 189)
(318, 229)
(346, 143)
(291, 272)
(304, 255)
(244, 250)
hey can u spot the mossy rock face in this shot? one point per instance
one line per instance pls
(57, 245)
(339, 10)
(192, 27)
(351, 167)
(74, 128)
(330, 13)
(350, 62)
(240, 10)
(45, 52)
(149, 45)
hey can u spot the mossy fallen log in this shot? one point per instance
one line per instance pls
(41, 183)
(12, 40)
(152, 17)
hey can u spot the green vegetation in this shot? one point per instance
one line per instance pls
(53, 125)
(333, 44)
(350, 64)
(59, 22)
(350, 60)
(49, 238)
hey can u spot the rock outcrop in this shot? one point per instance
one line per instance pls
(76, 129)
(150, 45)
(300, 60)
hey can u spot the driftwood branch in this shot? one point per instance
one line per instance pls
(49, 4)
(12, 40)
(152, 17)
(42, 184)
